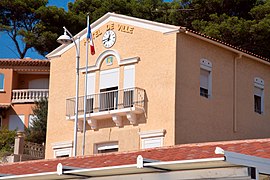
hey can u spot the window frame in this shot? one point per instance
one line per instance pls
(151, 136)
(100, 148)
(62, 148)
(206, 65)
(258, 94)
(3, 88)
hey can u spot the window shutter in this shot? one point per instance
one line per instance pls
(91, 79)
(152, 142)
(204, 78)
(109, 78)
(129, 76)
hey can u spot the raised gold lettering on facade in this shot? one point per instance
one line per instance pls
(96, 34)
(125, 28)
(110, 26)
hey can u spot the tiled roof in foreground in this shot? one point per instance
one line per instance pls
(256, 147)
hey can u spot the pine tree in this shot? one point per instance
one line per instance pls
(6, 141)
(36, 132)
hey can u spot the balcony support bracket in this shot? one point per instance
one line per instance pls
(92, 123)
(132, 117)
(117, 120)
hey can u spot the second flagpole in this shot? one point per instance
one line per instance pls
(85, 86)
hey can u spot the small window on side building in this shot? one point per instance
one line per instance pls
(258, 95)
(152, 139)
(62, 149)
(106, 147)
(205, 78)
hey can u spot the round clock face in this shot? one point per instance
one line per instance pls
(109, 39)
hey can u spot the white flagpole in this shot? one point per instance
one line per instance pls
(85, 88)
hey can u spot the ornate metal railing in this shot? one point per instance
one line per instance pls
(29, 95)
(105, 101)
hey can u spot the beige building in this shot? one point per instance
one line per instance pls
(22, 82)
(152, 85)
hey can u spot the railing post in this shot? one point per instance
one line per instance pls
(19, 143)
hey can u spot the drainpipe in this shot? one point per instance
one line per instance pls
(236, 58)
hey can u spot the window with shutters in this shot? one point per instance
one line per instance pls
(129, 84)
(152, 139)
(62, 149)
(205, 78)
(106, 147)
(258, 95)
(109, 82)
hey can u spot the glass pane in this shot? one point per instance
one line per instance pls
(257, 104)
(204, 92)
(1, 81)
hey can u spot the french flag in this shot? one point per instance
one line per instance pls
(89, 37)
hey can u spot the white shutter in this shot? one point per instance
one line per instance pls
(258, 91)
(91, 79)
(152, 142)
(204, 78)
(109, 78)
(16, 122)
(129, 76)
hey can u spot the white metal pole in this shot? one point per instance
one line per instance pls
(77, 95)
(85, 90)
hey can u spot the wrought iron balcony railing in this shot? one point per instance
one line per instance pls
(29, 95)
(106, 101)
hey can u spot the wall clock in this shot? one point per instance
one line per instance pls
(109, 39)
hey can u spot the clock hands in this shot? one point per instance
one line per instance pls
(109, 37)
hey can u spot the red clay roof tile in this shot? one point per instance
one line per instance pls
(256, 147)
(24, 62)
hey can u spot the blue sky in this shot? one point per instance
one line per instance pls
(7, 47)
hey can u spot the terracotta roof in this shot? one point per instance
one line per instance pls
(256, 147)
(4, 106)
(226, 44)
(24, 62)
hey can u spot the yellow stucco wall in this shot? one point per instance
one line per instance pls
(154, 73)
(199, 119)
(169, 71)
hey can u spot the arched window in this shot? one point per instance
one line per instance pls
(2, 77)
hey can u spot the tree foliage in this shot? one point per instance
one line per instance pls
(36, 132)
(19, 19)
(7, 139)
(35, 24)
(243, 23)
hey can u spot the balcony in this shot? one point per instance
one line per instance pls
(29, 95)
(111, 104)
